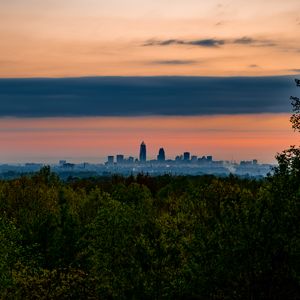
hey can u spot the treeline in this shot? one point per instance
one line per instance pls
(151, 237)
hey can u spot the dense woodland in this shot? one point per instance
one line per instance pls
(152, 237)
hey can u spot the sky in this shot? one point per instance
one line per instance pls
(91, 139)
(79, 62)
(134, 37)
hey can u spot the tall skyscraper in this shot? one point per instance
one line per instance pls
(186, 156)
(161, 155)
(143, 153)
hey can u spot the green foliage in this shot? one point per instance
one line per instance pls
(31, 283)
(152, 237)
(10, 252)
(295, 118)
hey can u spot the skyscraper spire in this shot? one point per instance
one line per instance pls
(143, 153)
(161, 155)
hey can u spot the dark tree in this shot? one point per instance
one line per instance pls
(295, 118)
(289, 159)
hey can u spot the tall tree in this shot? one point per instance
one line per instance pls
(295, 118)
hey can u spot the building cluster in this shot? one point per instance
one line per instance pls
(186, 157)
(184, 164)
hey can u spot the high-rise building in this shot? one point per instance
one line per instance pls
(110, 159)
(130, 159)
(161, 155)
(179, 158)
(143, 152)
(62, 162)
(209, 158)
(186, 156)
(194, 158)
(120, 158)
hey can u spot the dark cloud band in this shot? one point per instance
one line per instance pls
(201, 43)
(212, 42)
(136, 96)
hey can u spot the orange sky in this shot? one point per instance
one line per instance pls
(92, 139)
(53, 38)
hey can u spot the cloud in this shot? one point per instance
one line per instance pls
(212, 42)
(253, 66)
(200, 42)
(220, 23)
(153, 42)
(207, 43)
(295, 70)
(244, 41)
(174, 62)
(254, 42)
(140, 96)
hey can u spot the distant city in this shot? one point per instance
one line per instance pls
(183, 164)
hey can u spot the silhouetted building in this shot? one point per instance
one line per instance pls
(68, 166)
(186, 156)
(178, 158)
(130, 159)
(161, 155)
(143, 152)
(110, 159)
(194, 158)
(120, 158)
(246, 163)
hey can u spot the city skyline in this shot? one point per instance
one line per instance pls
(185, 163)
(237, 148)
(92, 139)
(185, 157)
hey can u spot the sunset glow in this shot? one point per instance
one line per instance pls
(92, 139)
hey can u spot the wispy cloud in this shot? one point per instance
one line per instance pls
(254, 42)
(174, 62)
(207, 43)
(200, 42)
(212, 42)
(220, 23)
(244, 41)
